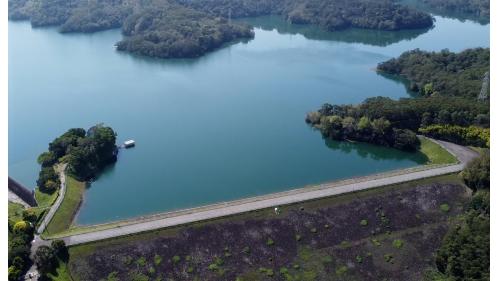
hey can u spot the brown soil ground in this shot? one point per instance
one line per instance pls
(390, 233)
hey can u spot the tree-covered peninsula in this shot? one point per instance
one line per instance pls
(85, 152)
(185, 28)
(454, 104)
(444, 73)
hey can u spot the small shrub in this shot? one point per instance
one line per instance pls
(269, 242)
(363, 222)
(284, 270)
(341, 270)
(113, 276)
(29, 215)
(376, 242)
(176, 259)
(445, 208)
(140, 277)
(151, 270)
(141, 261)
(246, 250)
(314, 230)
(298, 237)
(213, 267)
(327, 259)
(157, 259)
(268, 271)
(345, 244)
(127, 260)
(296, 266)
(398, 243)
(21, 226)
(359, 259)
(388, 258)
(190, 269)
(219, 261)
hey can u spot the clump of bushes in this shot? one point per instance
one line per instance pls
(472, 135)
(47, 257)
(269, 242)
(398, 243)
(20, 236)
(465, 252)
(477, 173)
(444, 208)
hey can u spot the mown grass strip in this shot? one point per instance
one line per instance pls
(44, 199)
(435, 153)
(64, 215)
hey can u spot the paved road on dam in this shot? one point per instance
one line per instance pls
(463, 154)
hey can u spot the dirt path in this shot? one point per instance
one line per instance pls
(463, 154)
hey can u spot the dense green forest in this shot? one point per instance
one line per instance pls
(394, 123)
(443, 73)
(20, 234)
(329, 14)
(454, 105)
(184, 28)
(85, 152)
(177, 32)
(465, 251)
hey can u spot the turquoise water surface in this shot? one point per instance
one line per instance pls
(224, 126)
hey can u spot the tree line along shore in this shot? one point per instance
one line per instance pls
(184, 28)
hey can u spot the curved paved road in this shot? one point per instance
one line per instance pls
(463, 154)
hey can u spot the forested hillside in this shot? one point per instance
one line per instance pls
(185, 28)
(454, 105)
(479, 8)
(330, 14)
(443, 73)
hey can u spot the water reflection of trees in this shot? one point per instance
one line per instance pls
(352, 35)
(400, 80)
(461, 16)
(374, 152)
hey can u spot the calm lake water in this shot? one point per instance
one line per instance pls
(221, 127)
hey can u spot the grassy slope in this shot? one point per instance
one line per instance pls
(64, 215)
(62, 273)
(80, 251)
(15, 211)
(435, 153)
(45, 199)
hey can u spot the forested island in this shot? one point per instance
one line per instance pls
(454, 105)
(184, 28)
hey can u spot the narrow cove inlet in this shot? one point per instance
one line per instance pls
(221, 127)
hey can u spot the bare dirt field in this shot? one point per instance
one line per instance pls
(390, 233)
